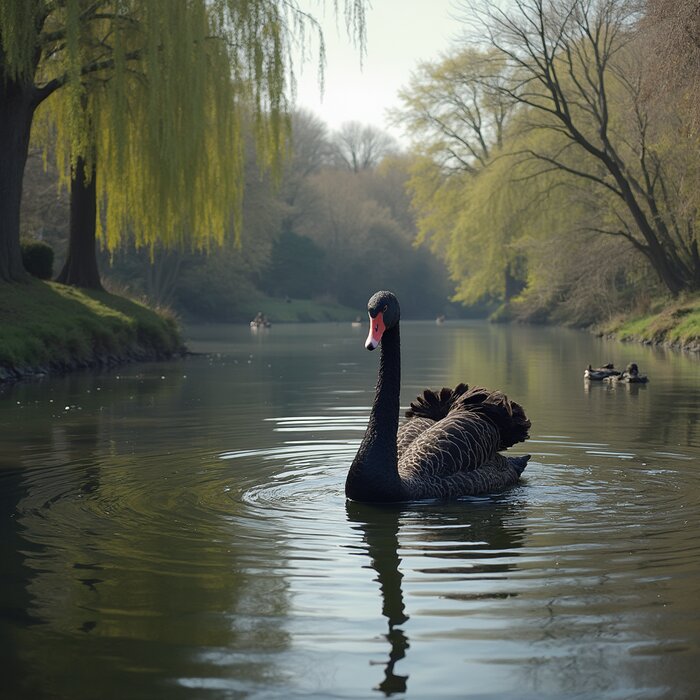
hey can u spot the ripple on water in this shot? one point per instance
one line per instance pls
(558, 561)
(299, 480)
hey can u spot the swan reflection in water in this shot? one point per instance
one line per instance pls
(473, 532)
(380, 529)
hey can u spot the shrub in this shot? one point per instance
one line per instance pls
(37, 257)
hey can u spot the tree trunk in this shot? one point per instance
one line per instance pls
(80, 269)
(657, 256)
(16, 112)
(512, 284)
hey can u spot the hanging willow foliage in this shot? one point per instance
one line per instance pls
(157, 95)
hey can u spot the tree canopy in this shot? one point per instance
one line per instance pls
(156, 94)
(586, 184)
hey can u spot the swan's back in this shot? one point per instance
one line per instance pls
(450, 443)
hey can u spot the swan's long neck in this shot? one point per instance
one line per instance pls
(373, 475)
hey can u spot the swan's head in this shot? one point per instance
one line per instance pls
(384, 313)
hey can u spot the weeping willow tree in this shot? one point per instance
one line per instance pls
(146, 102)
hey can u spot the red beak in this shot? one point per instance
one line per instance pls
(376, 329)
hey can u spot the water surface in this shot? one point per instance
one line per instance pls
(179, 530)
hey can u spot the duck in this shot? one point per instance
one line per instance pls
(449, 445)
(601, 372)
(630, 375)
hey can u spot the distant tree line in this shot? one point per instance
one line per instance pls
(327, 229)
(333, 224)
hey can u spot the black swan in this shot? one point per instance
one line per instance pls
(448, 447)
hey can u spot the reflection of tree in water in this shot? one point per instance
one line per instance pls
(15, 600)
(462, 531)
(32, 484)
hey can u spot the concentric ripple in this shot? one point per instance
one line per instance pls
(306, 472)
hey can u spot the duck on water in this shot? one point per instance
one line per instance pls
(601, 372)
(450, 444)
(631, 375)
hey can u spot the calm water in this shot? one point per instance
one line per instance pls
(179, 530)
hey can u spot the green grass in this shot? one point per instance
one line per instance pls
(44, 324)
(676, 323)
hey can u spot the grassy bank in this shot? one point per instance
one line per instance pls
(48, 327)
(675, 324)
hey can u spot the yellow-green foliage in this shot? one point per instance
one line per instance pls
(586, 190)
(157, 94)
(468, 208)
(162, 119)
(18, 37)
(454, 110)
(479, 222)
(44, 323)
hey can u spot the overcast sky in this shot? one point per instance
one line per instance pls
(400, 34)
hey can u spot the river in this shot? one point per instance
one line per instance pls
(179, 530)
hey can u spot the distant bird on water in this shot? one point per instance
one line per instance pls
(630, 375)
(600, 372)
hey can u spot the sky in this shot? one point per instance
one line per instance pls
(400, 34)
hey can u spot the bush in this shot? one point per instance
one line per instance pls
(37, 257)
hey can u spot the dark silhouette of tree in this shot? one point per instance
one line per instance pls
(296, 268)
(80, 268)
(359, 147)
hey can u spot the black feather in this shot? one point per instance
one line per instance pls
(508, 416)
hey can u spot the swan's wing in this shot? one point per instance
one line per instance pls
(508, 416)
(409, 431)
(435, 405)
(428, 408)
(495, 475)
(453, 446)
(462, 441)
(432, 407)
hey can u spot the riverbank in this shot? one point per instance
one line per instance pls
(675, 324)
(49, 328)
